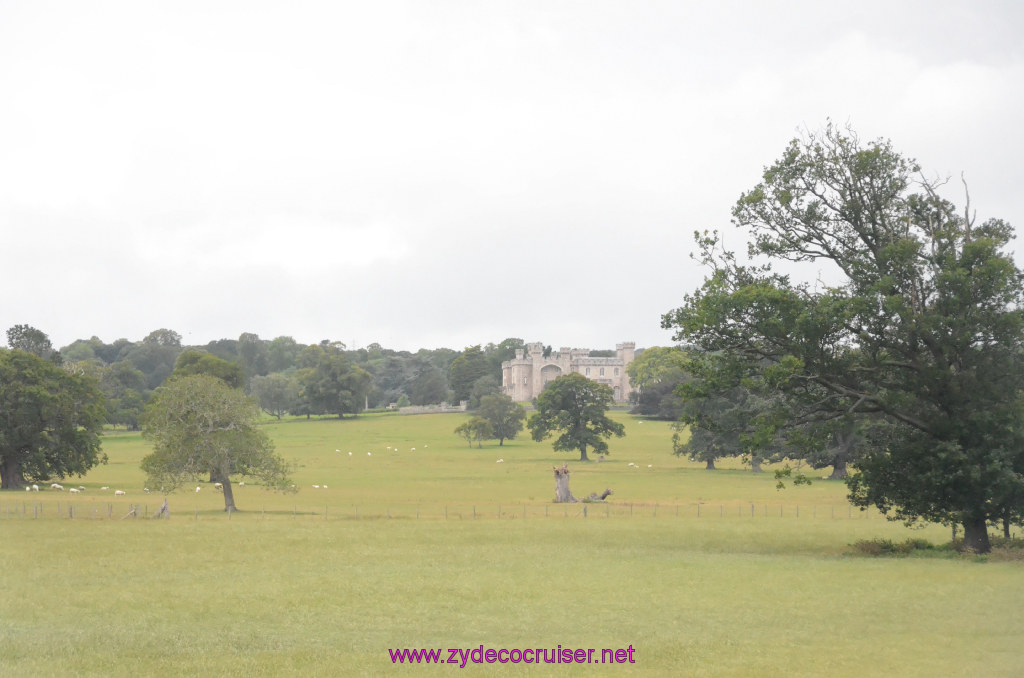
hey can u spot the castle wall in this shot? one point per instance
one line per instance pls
(524, 377)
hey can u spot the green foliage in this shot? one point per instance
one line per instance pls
(29, 339)
(254, 354)
(334, 386)
(476, 430)
(655, 375)
(50, 420)
(918, 342)
(887, 547)
(201, 427)
(428, 387)
(506, 416)
(276, 393)
(200, 362)
(281, 354)
(575, 407)
(465, 371)
(485, 386)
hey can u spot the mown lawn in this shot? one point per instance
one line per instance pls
(323, 583)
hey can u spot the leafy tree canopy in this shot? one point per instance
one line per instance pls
(29, 339)
(50, 420)
(575, 407)
(200, 427)
(918, 331)
(504, 414)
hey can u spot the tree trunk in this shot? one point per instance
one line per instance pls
(1006, 525)
(976, 535)
(229, 497)
(562, 493)
(10, 475)
(583, 453)
(755, 465)
(838, 469)
(710, 465)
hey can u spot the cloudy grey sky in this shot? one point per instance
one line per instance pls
(439, 173)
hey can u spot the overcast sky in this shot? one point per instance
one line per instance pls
(431, 173)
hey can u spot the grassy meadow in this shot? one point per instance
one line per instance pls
(702, 573)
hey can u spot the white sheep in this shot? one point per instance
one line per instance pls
(198, 488)
(369, 454)
(28, 489)
(316, 487)
(105, 487)
(119, 493)
(500, 461)
(74, 490)
(413, 449)
(631, 464)
(57, 486)
(241, 484)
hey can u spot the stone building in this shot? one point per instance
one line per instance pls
(524, 377)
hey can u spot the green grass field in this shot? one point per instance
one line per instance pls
(443, 547)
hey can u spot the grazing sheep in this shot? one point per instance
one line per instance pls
(413, 449)
(631, 464)
(81, 487)
(119, 493)
(500, 461)
(369, 454)
(350, 454)
(316, 487)
(57, 486)
(35, 488)
(75, 490)
(28, 489)
(649, 466)
(219, 486)
(241, 484)
(105, 487)
(198, 488)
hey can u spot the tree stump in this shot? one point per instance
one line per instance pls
(562, 493)
(165, 511)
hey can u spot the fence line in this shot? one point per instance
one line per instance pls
(92, 510)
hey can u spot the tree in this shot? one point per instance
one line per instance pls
(654, 375)
(276, 393)
(254, 354)
(335, 386)
(195, 361)
(29, 339)
(50, 420)
(575, 407)
(465, 370)
(124, 387)
(504, 414)
(484, 386)
(281, 354)
(200, 426)
(476, 429)
(919, 336)
(429, 386)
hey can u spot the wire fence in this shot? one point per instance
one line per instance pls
(97, 510)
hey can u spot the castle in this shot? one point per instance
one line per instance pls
(524, 377)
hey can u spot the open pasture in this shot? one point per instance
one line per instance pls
(323, 583)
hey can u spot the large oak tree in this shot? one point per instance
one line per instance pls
(200, 427)
(913, 326)
(50, 420)
(575, 407)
